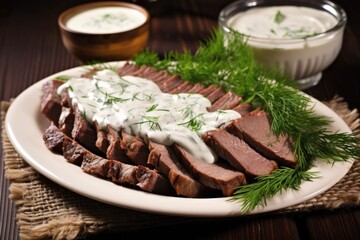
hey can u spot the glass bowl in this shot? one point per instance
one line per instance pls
(297, 52)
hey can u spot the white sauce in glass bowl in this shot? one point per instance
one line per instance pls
(106, 20)
(139, 107)
(282, 22)
(300, 41)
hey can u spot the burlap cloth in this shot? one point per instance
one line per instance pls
(47, 210)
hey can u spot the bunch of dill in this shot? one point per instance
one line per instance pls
(232, 66)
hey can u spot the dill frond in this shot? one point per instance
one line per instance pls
(232, 66)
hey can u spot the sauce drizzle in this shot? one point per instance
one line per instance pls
(139, 107)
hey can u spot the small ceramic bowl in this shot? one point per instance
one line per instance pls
(299, 37)
(104, 31)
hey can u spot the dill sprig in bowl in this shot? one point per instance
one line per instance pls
(299, 37)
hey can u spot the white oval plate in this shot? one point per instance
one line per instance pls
(25, 126)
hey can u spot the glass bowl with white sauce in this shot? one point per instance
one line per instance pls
(299, 37)
(104, 31)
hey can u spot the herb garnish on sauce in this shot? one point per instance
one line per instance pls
(279, 17)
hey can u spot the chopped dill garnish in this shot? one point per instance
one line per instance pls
(279, 17)
(194, 123)
(152, 121)
(232, 66)
(109, 98)
(63, 78)
(154, 107)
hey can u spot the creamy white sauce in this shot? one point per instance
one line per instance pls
(282, 22)
(289, 38)
(106, 20)
(139, 107)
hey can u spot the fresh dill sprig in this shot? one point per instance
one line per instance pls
(152, 121)
(154, 107)
(232, 66)
(110, 98)
(284, 178)
(194, 123)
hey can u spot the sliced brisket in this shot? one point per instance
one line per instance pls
(212, 92)
(66, 121)
(50, 104)
(84, 133)
(183, 88)
(102, 142)
(170, 83)
(211, 175)
(114, 150)
(59, 143)
(238, 153)
(166, 162)
(227, 101)
(198, 87)
(125, 174)
(127, 69)
(134, 148)
(73, 152)
(244, 108)
(255, 129)
(121, 173)
(53, 138)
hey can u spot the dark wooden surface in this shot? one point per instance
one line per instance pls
(31, 49)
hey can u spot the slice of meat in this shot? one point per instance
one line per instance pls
(66, 121)
(134, 148)
(58, 142)
(53, 138)
(196, 88)
(102, 142)
(125, 174)
(255, 129)
(127, 68)
(139, 72)
(151, 181)
(157, 76)
(166, 162)
(244, 108)
(171, 83)
(114, 151)
(212, 92)
(50, 104)
(183, 88)
(65, 98)
(238, 153)
(227, 101)
(84, 133)
(73, 152)
(211, 175)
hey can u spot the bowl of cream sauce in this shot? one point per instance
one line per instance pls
(104, 31)
(300, 38)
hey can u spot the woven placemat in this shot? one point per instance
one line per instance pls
(47, 210)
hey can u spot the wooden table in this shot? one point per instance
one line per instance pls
(31, 49)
